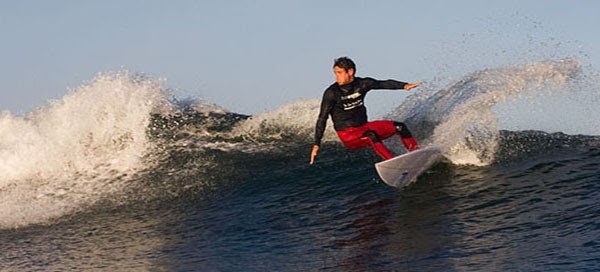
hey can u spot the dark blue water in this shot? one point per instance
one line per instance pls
(105, 181)
(277, 213)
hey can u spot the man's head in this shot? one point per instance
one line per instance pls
(344, 69)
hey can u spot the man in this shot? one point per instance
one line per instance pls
(344, 101)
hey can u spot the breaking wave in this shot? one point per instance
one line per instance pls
(76, 150)
(461, 117)
(122, 138)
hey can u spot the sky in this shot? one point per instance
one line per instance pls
(255, 56)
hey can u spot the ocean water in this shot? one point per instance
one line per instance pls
(117, 176)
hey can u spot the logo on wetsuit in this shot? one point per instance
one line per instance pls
(352, 100)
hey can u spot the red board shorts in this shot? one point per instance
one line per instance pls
(354, 138)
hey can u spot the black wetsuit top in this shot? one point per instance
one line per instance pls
(346, 103)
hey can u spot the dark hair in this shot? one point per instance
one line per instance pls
(345, 62)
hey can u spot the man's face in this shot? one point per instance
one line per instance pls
(342, 76)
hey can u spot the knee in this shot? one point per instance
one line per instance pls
(402, 129)
(372, 136)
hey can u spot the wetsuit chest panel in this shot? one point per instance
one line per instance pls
(351, 97)
(349, 109)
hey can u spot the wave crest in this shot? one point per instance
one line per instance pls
(460, 117)
(73, 151)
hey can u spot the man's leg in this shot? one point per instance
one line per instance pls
(377, 145)
(385, 129)
(370, 134)
(406, 137)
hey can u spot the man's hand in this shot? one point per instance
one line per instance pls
(411, 85)
(313, 153)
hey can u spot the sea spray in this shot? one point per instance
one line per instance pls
(460, 117)
(73, 151)
(291, 122)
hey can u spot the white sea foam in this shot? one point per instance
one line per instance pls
(75, 150)
(295, 119)
(466, 125)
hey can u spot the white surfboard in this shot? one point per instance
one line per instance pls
(402, 170)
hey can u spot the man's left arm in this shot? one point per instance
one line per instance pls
(390, 84)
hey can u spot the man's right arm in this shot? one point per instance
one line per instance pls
(327, 104)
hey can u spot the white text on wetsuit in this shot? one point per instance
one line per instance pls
(352, 104)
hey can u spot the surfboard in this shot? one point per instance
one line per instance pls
(403, 170)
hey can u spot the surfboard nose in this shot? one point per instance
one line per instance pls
(403, 170)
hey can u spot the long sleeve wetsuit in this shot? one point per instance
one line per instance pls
(345, 103)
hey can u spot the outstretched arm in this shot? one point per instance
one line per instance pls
(390, 84)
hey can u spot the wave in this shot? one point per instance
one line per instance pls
(291, 122)
(518, 146)
(120, 138)
(460, 117)
(75, 151)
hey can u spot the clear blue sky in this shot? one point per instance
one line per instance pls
(254, 56)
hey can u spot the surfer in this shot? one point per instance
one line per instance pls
(344, 101)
